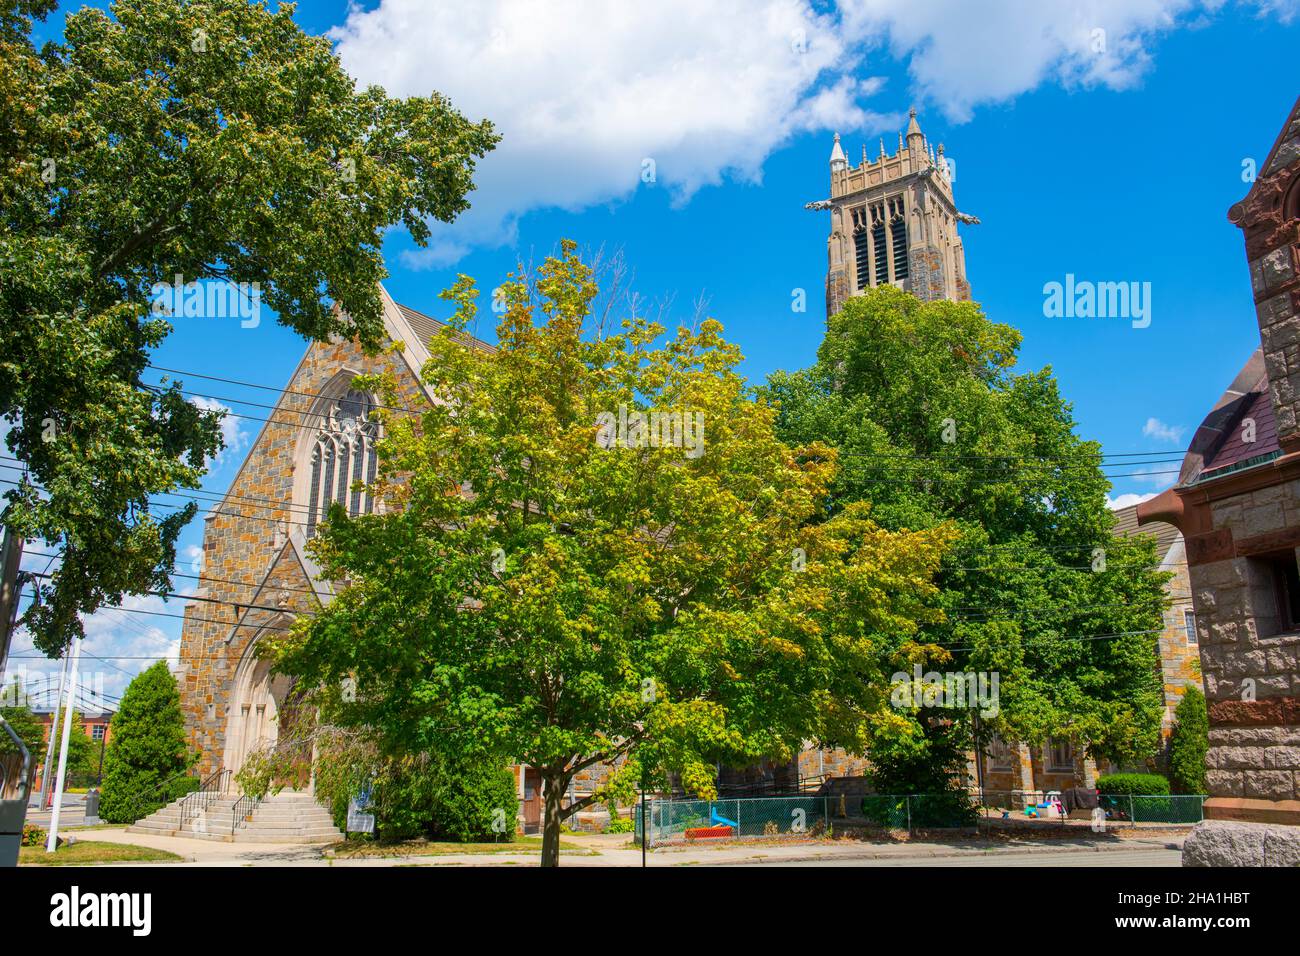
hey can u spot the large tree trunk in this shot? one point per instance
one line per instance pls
(553, 786)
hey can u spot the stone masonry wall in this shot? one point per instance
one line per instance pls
(1270, 220)
(1250, 669)
(246, 535)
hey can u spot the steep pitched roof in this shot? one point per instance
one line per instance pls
(1219, 446)
(426, 327)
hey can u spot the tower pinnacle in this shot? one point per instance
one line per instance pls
(839, 161)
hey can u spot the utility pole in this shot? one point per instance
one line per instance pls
(11, 556)
(13, 812)
(63, 750)
(99, 777)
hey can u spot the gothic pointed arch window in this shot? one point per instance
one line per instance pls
(342, 454)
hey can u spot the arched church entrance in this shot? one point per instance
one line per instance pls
(261, 705)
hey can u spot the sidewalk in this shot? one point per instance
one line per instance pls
(615, 850)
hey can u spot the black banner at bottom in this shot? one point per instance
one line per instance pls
(137, 906)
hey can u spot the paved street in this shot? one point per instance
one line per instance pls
(614, 850)
(1145, 856)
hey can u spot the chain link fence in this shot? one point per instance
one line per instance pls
(679, 820)
(672, 821)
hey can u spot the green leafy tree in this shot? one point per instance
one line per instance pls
(146, 748)
(83, 751)
(543, 584)
(207, 139)
(933, 424)
(1189, 743)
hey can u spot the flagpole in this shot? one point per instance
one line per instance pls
(54, 726)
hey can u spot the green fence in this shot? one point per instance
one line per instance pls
(669, 820)
(1173, 808)
(1118, 808)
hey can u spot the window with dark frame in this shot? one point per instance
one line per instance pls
(1060, 754)
(1286, 588)
(1189, 624)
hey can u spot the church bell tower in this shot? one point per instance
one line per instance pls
(894, 221)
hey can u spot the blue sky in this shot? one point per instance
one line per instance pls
(1113, 165)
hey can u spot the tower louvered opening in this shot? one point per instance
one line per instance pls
(882, 253)
(862, 255)
(898, 233)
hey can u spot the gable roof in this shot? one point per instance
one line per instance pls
(426, 327)
(1218, 448)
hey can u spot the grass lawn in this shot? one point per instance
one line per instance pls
(356, 849)
(85, 852)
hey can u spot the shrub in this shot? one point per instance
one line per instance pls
(1189, 743)
(28, 729)
(146, 749)
(1141, 784)
(617, 823)
(620, 824)
(441, 798)
(34, 835)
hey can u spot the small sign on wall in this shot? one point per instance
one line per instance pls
(360, 820)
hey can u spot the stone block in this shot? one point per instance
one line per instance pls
(1287, 153)
(1277, 268)
(1225, 783)
(1282, 758)
(1227, 843)
(1234, 758)
(1263, 519)
(1283, 660)
(1269, 784)
(1274, 310)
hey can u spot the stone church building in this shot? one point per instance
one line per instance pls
(893, 221)
(256, 573)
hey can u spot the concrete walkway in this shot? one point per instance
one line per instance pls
(615, 850)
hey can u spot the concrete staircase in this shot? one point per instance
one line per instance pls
(287, 817)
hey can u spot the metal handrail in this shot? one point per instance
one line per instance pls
(148, 796)
(212, 786)
(242, 810)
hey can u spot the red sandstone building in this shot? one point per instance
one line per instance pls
(1237, 503)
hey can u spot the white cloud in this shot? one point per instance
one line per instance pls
(1155, 428)
(233, 432)
(1124, 501)
(585, 93)
(191, 560)
(119, 643)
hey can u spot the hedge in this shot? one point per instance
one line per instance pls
(1138, 784)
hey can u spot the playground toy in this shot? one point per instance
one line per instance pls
(722, 828)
